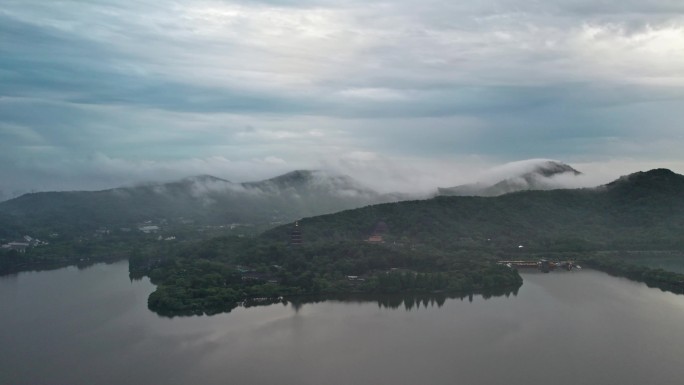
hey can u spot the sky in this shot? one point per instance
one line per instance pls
(400, 94)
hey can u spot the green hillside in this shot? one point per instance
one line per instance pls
(639, 212)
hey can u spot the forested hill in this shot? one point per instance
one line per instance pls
(201, 199)
(641, 211)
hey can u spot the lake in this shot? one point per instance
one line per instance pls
(92, 326)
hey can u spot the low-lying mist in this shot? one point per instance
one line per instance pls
(413, 177)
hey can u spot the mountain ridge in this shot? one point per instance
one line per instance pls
(626, 213)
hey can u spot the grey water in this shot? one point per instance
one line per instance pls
(92, 326)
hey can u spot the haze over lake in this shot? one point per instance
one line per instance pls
(88, 326)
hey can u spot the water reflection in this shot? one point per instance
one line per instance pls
(408, 302)
(80, 264)
(388, 301)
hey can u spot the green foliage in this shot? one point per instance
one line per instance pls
(218, 274)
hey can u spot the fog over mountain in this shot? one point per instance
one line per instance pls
(533, 174)
(364, 176)
(209, 200)
(202, 199)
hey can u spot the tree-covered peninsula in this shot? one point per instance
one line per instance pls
(227, 271)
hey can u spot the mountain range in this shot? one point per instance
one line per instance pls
(624, 206)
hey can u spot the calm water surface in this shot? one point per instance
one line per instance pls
(92, 326)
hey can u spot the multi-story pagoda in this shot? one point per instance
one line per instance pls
(296, 235)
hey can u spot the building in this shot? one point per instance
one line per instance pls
(149, 229)
(375, 239)
(296, 238)
(18, 246)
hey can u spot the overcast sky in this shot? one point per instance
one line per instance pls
(402, 93)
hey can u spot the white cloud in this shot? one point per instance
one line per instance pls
(651, 55)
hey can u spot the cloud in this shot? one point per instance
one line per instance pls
(268, 85)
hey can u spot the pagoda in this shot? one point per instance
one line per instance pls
(296, 235)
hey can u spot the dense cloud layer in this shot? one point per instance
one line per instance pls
(404, 94)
